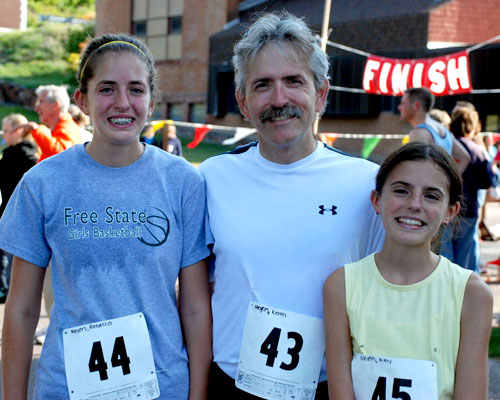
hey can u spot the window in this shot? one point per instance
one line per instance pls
(175, 112)
(197, 112)
(139, 28)
(174, 25)
(159, 24)
(492, 123)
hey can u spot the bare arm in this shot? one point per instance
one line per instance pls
(164, 139)
(458, 151)
(196, 319)
(338, 338)
(471, 376)
(27, 127)
(460, 155)
(22, 312)
(420, 135)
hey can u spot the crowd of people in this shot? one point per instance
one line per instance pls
(282, 269)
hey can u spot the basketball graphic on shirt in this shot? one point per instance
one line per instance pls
(155, 231)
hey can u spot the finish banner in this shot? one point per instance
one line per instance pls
(443, 76)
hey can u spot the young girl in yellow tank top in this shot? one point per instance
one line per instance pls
(406, 323)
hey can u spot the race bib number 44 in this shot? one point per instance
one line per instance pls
(281, 354)
(385, 378)
(110, 360)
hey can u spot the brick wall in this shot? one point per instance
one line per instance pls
(190, 74)
(10, 17)
(113, 16)
(465, 21)
(378, 35)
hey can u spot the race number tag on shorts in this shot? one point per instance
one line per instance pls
(375, 377)
(110, 360)
(281, 354)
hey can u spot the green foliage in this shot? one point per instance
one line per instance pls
(6, 110)
(62, 3)
(495, 343)
(76, 36)
(38, 72)
(46, 55)
(42, 44)
(63, 8)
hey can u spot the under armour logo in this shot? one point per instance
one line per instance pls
(322, 210)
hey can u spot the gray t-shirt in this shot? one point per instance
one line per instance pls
(117, 238)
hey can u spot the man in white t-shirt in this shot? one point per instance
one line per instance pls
(284, 213)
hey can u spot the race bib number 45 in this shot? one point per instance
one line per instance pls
(110, 360)
(385, 378)
(281, 354)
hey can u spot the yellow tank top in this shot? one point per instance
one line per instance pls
(419, 321)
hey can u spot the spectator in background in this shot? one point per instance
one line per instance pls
(57, 130)
(441, 116)
(478, 138)
(83, 122)
(463, 104)
(414, 108)
(171, 142)
(18, 157)
(148, 136)
(462, 246)
(489, 144)
(492, 194)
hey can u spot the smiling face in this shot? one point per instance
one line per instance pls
(414, 203)
(118, 99)
(281, 101)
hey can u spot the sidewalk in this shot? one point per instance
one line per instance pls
(489, 251)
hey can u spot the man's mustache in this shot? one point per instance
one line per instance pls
(272, 113)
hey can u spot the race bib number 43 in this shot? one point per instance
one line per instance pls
(110, 360)
(281, 354)
(385, 378)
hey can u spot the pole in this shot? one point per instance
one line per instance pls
(326, 24)
(324, 39)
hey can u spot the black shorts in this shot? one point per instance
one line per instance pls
(221, 386)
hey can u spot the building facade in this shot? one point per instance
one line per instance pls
(177, 32)
(14, 15)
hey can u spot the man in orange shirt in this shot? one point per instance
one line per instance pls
(57, 130)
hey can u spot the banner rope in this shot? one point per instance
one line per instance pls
(479, 45)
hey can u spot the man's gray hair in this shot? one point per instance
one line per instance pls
(55, 93)
(282, 28)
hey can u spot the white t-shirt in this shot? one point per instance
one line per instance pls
(280, 230)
